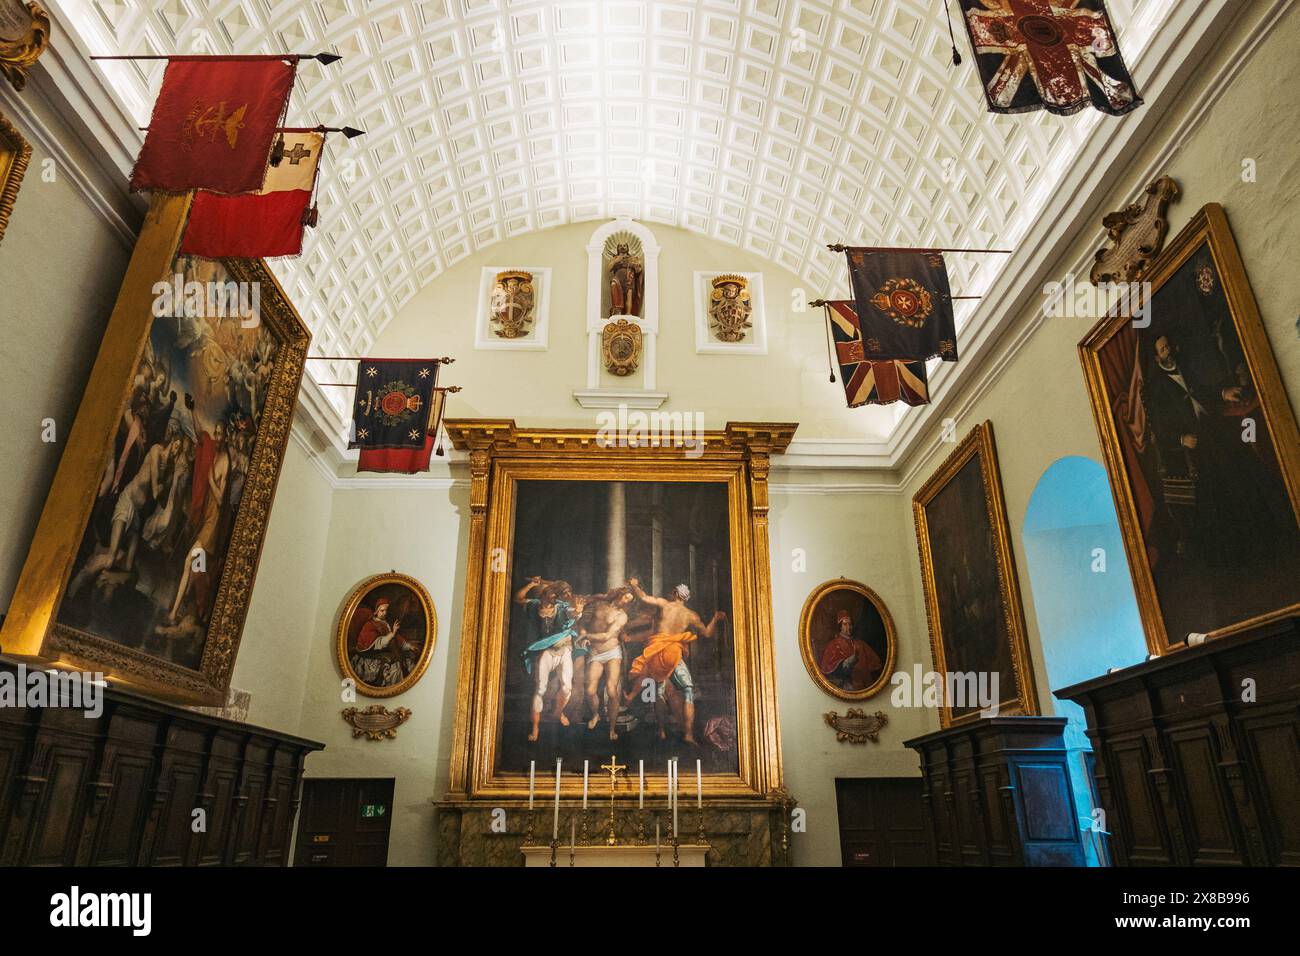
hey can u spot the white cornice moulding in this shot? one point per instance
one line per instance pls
(615, 397)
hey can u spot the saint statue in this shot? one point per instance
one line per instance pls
(626, 281)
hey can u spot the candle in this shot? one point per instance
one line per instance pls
(699, 786)
(584, 785)
(640, 773)
(555, 826)
(656, 836)
(675, 786)
(532, 772)
(573, 834)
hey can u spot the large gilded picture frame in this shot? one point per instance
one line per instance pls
(1200, 444)
(972, 592)
(137, 570)
(520, 479)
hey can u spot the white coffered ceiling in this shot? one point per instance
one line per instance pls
(774, 125)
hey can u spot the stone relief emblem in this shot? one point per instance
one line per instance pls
(513, 302)
(730, 307)
(621, 346)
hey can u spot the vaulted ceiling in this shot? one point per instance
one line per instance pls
(774, 125)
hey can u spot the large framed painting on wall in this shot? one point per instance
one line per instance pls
(616, 604)
(847, 639)
(972, 592)
(1200, 444)
(386, 634)
(144, 557)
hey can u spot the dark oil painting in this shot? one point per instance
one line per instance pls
(1220, 535)
(619, 627)
(147, 570)
(964, 554)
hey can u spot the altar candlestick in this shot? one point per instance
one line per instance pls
(573, 834)
(555, 826)
(640, 772)
(584, 785)
(676, 791)
(656, 836)
(699, 786)
(532, 772)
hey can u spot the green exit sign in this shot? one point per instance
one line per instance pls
(373, 809)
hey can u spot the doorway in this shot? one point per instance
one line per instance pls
(344, 822)
(882, 822)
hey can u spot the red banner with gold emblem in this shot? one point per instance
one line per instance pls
(213, 124)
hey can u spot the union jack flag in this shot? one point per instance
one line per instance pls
(867, 381)
(1066, 49)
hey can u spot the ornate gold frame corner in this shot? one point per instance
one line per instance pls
(350, 607)
(17, 56)
(979, 442)
(501, 454)
(805, 639)
(1209, 226)
(31, 631)
(15, 154)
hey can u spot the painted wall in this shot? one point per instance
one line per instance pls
(862, 537)
(418, 531)
(280, 632)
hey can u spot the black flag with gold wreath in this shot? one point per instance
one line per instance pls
(394, 399)
(903, 304)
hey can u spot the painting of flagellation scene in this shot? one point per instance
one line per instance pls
(147, 570)
(619, 636)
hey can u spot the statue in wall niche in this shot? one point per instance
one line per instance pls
(730, 307)
(513, 301)
(626, 281)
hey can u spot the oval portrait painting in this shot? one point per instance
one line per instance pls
(386, 634)
(847, 639)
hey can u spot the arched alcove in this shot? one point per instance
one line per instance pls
(1082, 595)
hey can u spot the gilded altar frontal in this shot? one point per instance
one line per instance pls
(649, 436)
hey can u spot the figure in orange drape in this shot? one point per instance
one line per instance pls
(663, 657)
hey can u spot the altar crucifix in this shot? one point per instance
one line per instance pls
(613, 768)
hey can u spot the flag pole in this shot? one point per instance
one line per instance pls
(324, 58)
(374, 358)
(840, 247)
(349, 131)
(453, 389)
(955, 298)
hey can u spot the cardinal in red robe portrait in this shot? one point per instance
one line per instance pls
(849, 662)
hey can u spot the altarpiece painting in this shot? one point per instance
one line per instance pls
(625, 611)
